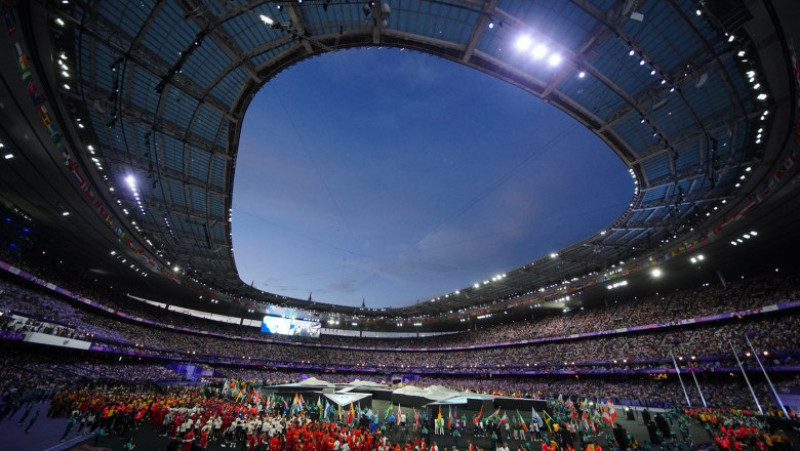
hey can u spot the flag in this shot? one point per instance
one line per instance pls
(505, 418)
(610, 413)
(535, 417)
(399, 412)
(522, 422)
(478, 418)
(416, 417)
(388, 411)
(548, 421)
(585, 422)
(439, 417)
(351, 414)
(340, 411)
(449, 418)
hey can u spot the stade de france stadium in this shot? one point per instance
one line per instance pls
(135, 281)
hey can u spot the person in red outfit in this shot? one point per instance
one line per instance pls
(187, 440)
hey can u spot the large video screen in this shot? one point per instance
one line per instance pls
(286, 326)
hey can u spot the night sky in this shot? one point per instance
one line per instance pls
(393, 176)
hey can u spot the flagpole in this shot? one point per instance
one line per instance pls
(678, 372)
(769, 381)
(746, 379)
(697, 384)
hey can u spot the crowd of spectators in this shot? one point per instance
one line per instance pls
(774, 334)
(661, 308)
(703, 347)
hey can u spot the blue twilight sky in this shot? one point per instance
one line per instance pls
(393, 176)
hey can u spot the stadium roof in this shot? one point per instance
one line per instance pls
(696, 98)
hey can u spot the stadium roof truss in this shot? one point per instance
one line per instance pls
(164, 86)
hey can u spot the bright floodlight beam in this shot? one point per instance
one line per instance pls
(131, 181)
(523, 43)
(554, 60)
(266, 19)
(656, 273)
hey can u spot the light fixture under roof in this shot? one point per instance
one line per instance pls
(266, 19)
(523, 43)
(539, 51)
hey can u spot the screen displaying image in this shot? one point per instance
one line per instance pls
(287, 326)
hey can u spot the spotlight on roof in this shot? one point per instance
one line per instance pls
(266, 19)
(523, 43)
(539, 51)
(656, 273)
(554, 60)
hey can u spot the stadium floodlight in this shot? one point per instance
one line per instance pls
(656, 273)
(266, 19)
(554, 60)
(523, 43)
(539, 51)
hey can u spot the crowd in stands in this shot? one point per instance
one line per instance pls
(60, 368)
(774, 334)
(706, 348)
